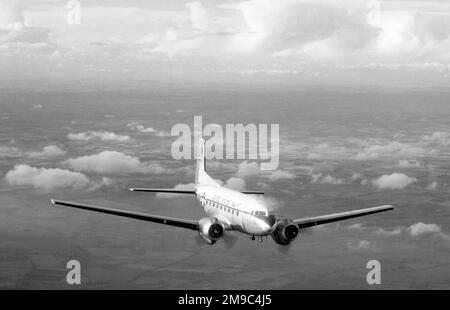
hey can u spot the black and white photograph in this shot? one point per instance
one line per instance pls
(225, 145)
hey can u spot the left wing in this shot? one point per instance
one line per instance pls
(324, 219)
(189, 224)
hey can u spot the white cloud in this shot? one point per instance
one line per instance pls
(249, 169)
(420, 228)
(143, 129)
(392, 149)
(278, 175)
(356, 226)
(432, 186)
(326, 179)
(394, 181)
(237, 184)
(384, 232)
(360, 245)
(7, 151)
(140, 128)
(409, 164)
(356, 176)
(47, 179)
(113, 163)
(246, 169)
(102, 135)
(438, 137)
(48, 151)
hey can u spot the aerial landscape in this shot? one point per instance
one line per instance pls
(87, 122)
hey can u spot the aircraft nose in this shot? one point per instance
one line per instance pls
(264, 225)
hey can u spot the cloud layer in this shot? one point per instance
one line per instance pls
(113, 163)
(47, 179)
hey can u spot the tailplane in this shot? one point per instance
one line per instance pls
(201, 177)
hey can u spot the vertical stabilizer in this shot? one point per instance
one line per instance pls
(201, 177)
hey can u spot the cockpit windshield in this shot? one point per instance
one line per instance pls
(260, 213)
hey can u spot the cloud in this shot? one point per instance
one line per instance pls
(409, 164)
(9, 152)
(237, 184)
(249, 169)
(140, 128)
(246, 169)
(360, 245)
(113, 163)
(356, 226)
(384, 232)
(102, 135)
(356, 176)
(15, 32)
(420, 228)
(394, 181)
(47, 179)
(327, 179)
(432, 186)
(438, 137)
(48, 151)
(278, 175)
(325, 151)
(392, 149)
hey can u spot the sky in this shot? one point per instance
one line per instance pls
(385, 43)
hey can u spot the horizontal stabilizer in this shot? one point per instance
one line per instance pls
(182, 191)
(252, 192)
(163, 190)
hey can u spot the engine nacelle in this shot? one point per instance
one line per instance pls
(285, 232)
(210, 229)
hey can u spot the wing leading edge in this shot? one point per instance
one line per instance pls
(329, 218)
(189, 224)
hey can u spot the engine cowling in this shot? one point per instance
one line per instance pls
(211, 229)
(285, 232)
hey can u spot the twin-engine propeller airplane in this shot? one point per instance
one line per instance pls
(229, 210)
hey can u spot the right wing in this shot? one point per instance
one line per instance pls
(189, 224)
(324, 219)
(181, 191)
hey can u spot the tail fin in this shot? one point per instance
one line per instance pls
(201, 177)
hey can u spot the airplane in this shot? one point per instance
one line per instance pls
(228, 210)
